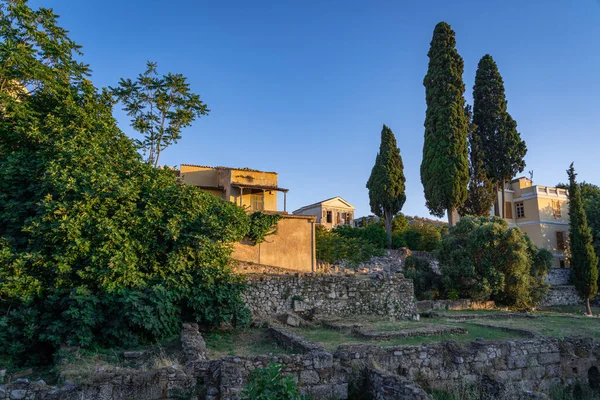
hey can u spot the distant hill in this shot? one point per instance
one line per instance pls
(426, 221)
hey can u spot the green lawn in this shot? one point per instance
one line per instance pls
(330, 339)
(552, 325)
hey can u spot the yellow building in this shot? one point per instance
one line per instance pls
(292, 248)
(248, 188)
(542, 212)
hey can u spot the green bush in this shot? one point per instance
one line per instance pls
(484, 259)
(333, 247)
(426, 282)
(421, 237)
(373, 234)
(269, 384)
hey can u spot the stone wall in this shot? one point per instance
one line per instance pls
(558, 276)
(274, 295)
(386, 386)
(461, 304)
(561, 296)
(528, 365)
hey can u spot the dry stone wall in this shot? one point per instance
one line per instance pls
(562, 296)
(528, 365)
(275, 295)
(558, 276)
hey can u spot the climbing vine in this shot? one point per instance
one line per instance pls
(262, 225)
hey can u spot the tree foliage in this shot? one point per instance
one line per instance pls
(484, 259)
(427, 283)
(583, 259)
(495, 131)
(159, 107)
(482, 191)
(338, 245)
(445, 165)
(96, 247)
(386, 183)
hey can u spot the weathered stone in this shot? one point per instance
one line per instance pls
(192, 343)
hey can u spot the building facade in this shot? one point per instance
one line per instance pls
(292, 248)
(542, 212)
(330, 213)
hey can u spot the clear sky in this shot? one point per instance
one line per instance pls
(303, 87)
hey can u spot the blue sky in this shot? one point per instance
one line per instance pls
(303, 88)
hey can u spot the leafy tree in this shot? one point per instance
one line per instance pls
(338, 245)
(386, 183)
(482, 191)
(421, 237)
(96, 247)
(495, 130)
(270, 384)
(583, 259)
(445, 165)
(483, 259)
(427, 283)
(373, 234)
(159, 107)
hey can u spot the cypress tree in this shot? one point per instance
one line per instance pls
(501, 146)
(445, 165)
(386, 183)
(584, 261)
(482, 191)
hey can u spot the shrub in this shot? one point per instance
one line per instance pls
(269, 384)
(333, 247)
(373, 234)
(426, 282)
(483, 259)
(421, 237)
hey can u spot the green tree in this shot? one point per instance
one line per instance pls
(96, 247)
(386, 183)
(482, 191)
(483, 259)
(495, 130)
(159, 107)
(445, 165)
(583, 259)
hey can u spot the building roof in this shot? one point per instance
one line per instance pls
(219, 167)
(324, 201)
(265, 187)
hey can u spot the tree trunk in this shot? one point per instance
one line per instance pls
(503, 201)
(496, 206)
(588, 308)
(450, 212)
(388, 227)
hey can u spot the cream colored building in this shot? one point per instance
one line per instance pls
(292, 248)
(330, 212)
(542, 212)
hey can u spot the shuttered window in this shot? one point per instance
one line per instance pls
(508, 210)
(560, 240)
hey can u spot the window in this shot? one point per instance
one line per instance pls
(556, 208)
(520, 209)
(329, 217)
(508, 209)
(257, 201)
(339, 218)
(560, 240)
(562, 263)
(348, 218)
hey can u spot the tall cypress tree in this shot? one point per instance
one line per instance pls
(584, 261)
(386, 183)
(502, 149)
(482, 191)
(445, 165)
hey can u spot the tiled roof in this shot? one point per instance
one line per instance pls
(220, 167)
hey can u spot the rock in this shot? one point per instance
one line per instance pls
(192, 343)
(293, 320)
(18, 394)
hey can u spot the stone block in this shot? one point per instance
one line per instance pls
(309, 377)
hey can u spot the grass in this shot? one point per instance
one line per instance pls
(252, 341)
(575, 310)
(330, 339)
(552, 325)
